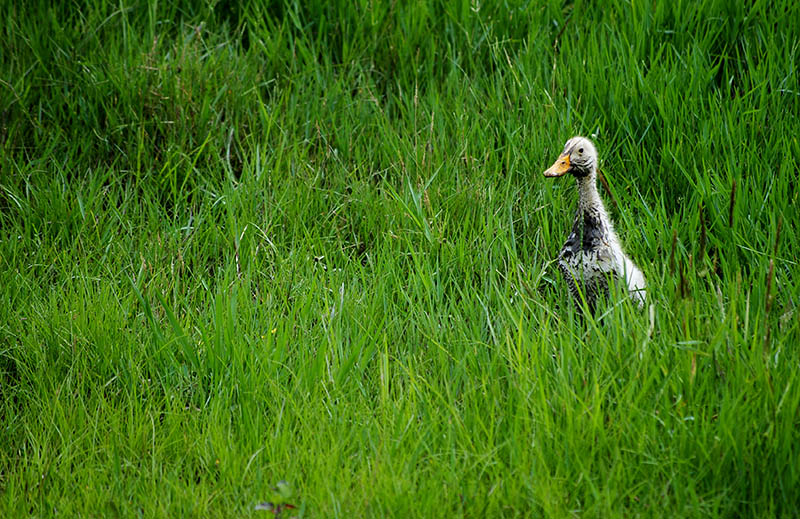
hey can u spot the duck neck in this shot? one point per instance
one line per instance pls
(589, 198)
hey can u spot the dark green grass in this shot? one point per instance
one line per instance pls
(312, 243)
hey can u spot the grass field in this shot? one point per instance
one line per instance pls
(311, 242)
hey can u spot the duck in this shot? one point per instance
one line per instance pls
(592, 254)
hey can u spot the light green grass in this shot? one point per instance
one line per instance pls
(312, 243)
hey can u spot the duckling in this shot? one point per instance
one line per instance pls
(592, 251)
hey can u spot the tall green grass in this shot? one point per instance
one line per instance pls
(311, 242)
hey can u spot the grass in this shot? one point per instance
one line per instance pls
(311, 242)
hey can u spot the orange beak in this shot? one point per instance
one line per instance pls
(559, 167)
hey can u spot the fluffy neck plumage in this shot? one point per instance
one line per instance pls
(587, 189)
(589, 202)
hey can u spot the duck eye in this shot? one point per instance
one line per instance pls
(580, 150)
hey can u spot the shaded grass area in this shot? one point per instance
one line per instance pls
(312, 243)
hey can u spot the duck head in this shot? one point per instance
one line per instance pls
(579, 159)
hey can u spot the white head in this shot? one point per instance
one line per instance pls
(579, 158)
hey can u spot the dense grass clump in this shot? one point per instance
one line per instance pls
(311, 242)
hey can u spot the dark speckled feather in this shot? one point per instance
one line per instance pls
(583, 253)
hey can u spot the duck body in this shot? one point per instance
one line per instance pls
(592, 254)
